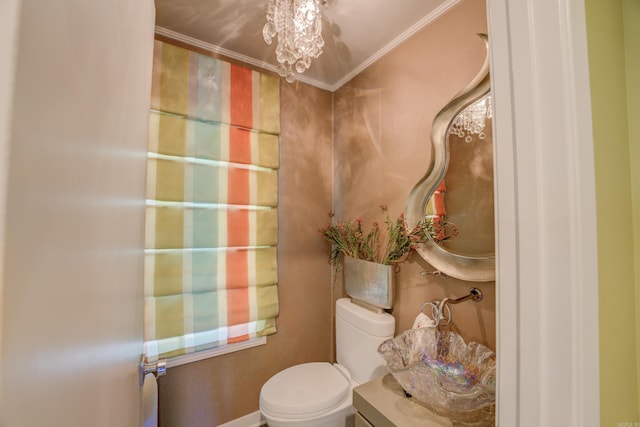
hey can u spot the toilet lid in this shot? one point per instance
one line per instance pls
(307, 389)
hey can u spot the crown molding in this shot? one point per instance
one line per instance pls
(428, 19)
(208, 47)
(331, 87)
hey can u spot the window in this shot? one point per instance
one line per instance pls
(212, 189)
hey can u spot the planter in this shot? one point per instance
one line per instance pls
(369, 282)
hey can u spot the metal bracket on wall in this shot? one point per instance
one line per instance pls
(158, 368)
(434, 273)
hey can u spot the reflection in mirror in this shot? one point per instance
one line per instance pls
(457, 189)
(469, 182)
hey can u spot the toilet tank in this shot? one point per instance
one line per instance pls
(359, 332)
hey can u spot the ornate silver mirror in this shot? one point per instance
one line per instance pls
(456, 193)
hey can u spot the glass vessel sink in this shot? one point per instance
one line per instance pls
(442, 372)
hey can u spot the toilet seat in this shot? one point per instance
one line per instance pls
(305, 390)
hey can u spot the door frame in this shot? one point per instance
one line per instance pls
(546, 278)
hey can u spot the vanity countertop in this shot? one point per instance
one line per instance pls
(383, 403)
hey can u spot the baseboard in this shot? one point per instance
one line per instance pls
(251, 420)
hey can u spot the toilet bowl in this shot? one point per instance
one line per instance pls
(319, 394)
(308, 395)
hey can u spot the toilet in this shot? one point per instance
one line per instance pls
(319, 394)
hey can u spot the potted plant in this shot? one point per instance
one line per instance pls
(389, 246)
(371, 254)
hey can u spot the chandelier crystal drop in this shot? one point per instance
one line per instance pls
(297, 24)
(471, 120)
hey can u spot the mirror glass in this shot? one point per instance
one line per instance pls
(468, 198)
(457, 190)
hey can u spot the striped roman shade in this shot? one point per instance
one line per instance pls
(212, 195)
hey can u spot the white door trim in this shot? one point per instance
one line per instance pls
(545, 204)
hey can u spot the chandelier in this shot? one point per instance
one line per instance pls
(297, 25)
(471, 120)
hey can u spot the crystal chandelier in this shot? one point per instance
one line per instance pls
(298, 24)
(471, 121)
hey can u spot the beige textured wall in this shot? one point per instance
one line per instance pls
(379, 124)
(217, 390)
(382, 147)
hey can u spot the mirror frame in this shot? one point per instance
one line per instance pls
(470, 268)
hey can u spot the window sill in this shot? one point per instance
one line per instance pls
(214, 352)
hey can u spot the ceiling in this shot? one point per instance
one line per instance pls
(356, 32)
